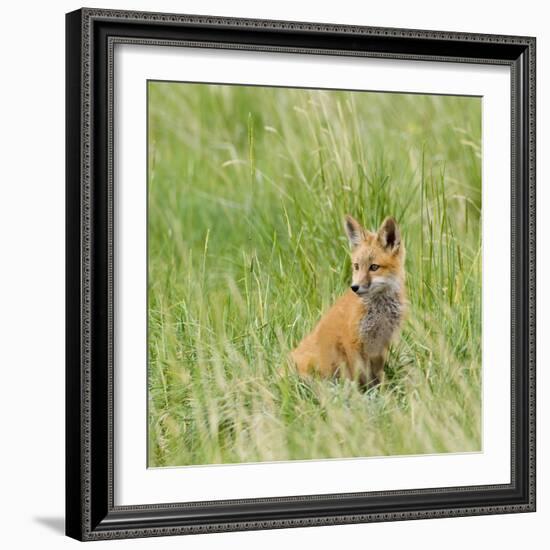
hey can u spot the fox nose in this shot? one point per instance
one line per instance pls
(355, 288)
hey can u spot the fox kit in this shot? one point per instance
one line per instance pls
(352, 338)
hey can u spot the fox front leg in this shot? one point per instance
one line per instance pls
(376, 370)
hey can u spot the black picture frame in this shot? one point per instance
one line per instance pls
(90, 510)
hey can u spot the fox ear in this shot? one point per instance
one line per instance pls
(389, 235)
(354, 230)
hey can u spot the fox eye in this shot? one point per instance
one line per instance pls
(356, 266)
(374, 267)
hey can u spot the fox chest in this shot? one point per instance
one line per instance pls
(379, 324)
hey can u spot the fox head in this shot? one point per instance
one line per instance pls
(377, 258)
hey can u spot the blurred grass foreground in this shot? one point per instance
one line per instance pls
(247, 188)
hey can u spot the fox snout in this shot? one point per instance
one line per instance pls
(360, 289)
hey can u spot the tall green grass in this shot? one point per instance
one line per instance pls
(247, 190)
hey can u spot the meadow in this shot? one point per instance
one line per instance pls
(247, 189)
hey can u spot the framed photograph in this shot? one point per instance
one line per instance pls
(300, 274)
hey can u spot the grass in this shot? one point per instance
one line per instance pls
(247, 190)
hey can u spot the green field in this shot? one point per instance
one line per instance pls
(247, 189)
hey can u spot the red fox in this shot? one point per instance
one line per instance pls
(353, 336)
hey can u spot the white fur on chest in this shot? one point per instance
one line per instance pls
(378, 326)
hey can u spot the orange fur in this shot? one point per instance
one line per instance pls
(353, 336)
